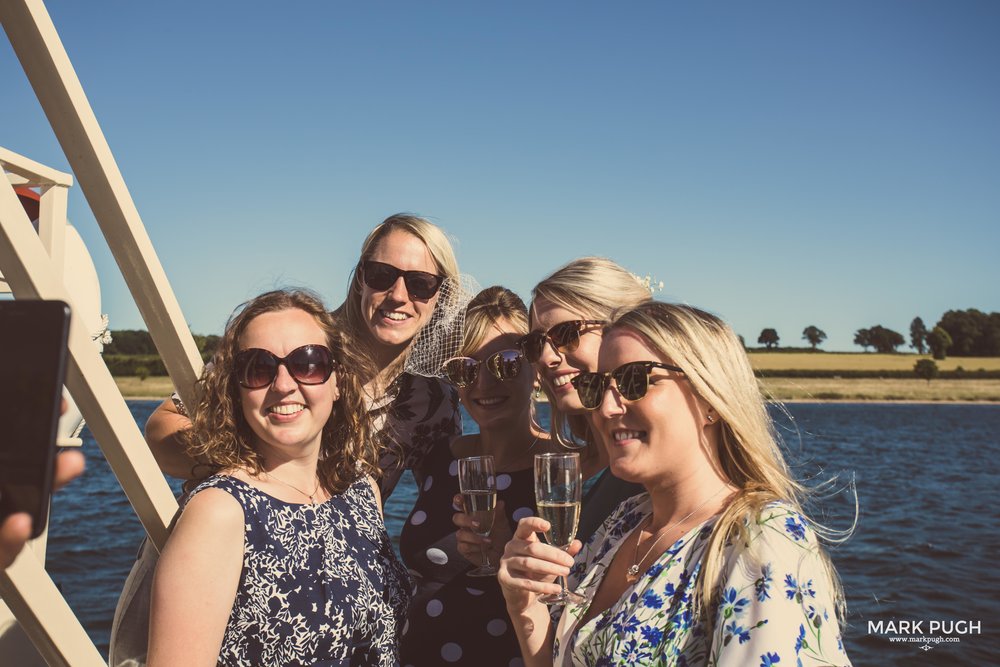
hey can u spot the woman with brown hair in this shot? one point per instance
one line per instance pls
(281, 556)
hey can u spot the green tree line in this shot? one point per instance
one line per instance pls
(960, 333)
(131, 353)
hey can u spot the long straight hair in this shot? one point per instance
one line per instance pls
(354, 321)
(716, 364)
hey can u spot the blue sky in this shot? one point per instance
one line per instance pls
(781, 164)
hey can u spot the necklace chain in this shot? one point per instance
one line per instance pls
(310, 496)
(632, 574)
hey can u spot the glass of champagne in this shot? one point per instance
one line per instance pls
(477, 481)
(557, 496)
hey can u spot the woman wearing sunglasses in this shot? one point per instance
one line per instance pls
(406, 279)
(281, 556)
(455, 618)
(716, 564)
(568, 312)
(400, 312)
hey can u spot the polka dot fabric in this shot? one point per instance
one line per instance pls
(455, 619)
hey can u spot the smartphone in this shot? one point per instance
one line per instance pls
(33, 336)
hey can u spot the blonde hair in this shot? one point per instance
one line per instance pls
(220, 437)
(485, 310)
(719, 371)
(441, 252)
(594, 287)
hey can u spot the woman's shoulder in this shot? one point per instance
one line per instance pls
(216, 501)
(781, 523)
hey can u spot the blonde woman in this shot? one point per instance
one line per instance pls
(569, 310)
(281, 556)
(402, 298)
(715, 564)
(405, 282)
(455, 619)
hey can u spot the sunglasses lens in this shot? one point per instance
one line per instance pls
(379, 276)
(505, 365)
(589, 388)
(311, 364)
(566, 336)
(256, 368)
(532, 345)
(632, 380)
(461, 371)
(421, 284)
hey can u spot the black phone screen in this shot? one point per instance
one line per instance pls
(33, 336)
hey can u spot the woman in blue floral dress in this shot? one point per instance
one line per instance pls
(280, 557)
(715, 564)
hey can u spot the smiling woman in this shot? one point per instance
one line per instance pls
(455, 618)
(716, 564)
(287, 531)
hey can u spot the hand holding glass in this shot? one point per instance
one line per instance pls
(557, 495)
(477, 481)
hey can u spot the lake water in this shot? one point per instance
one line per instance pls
(924, 550)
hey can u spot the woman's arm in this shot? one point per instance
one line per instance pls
(527, 570)
(162, 430)
(196, 582)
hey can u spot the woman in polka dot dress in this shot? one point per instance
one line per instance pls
(454, 618)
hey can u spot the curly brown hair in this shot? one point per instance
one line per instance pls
(220, 437)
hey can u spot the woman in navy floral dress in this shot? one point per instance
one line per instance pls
(715, 564)
(281, 557)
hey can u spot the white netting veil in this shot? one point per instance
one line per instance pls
(440, 339)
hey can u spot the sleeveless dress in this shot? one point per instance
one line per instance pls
(320, 584)
(455, 619)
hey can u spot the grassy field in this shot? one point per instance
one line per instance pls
(783, 389)
(798, 361)
(875, 389)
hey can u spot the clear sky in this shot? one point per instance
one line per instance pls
(782, 164)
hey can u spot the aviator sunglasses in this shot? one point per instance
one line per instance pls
(503, 365)
(381, 276)
(632, 380)
(309, 364)
(564, 337)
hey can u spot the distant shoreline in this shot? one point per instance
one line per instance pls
(777, 389)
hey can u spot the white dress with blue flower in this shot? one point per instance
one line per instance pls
(775, 607)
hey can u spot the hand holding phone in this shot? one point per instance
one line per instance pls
(33, 337)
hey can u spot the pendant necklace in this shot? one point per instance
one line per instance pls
(310, 496)
(632, 574)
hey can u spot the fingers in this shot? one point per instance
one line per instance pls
(14, 532)
(69, 466)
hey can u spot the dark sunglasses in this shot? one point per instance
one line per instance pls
(309, 364)
(564, 337)
(381, 276)
(632, 380)
(463, 371)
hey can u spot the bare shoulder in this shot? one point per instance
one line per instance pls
(211, 509)
(378, 494)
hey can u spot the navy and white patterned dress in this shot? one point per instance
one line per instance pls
(320, 584)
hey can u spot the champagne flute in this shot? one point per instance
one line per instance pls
(557, 496)
(477, 481)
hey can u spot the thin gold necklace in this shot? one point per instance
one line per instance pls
(310, 496)
(632, 574)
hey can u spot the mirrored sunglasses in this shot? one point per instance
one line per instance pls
(631, 379)
(503, 365)
(309, 364)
